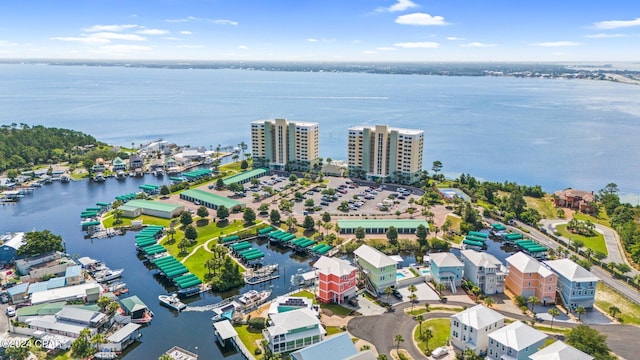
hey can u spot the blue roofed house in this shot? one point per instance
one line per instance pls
(73, 275)
(338, 347)
(18, 294)
(446, 269)
(9, 249)
(576, 285)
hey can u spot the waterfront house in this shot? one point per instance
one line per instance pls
(515, 341)
(446, 269)
(99, 166)
(73, 275)
(122, 338)
(470, 328)
(376, 269)
(54, 290)
(135, 162)
(118, 165)
(292, 330)
(560, 351)
(528, 277)
(337, 280)
(18, 293)
(338, 347)
(289, 303)
(574, 199)
(11, 242)
(484, 271)
(576, 285)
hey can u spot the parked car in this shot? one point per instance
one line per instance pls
(397, 294)
(11, 311)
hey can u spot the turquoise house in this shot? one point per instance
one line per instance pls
(576, 285)
(447, 269)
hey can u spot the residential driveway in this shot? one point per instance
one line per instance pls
(423, 293)
(542, 312)
(366, 307)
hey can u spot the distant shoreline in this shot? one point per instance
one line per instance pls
(603, 72)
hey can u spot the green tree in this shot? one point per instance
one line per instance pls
(419, 319)
(344, 206)
(398, 339)
(590, 341)
(165, 357)
(388, 291)
(614, 310)
(309, 224)
(428, 335)
(489, 302)
(309, 203)
(392, 235)
(360, 233)
(422, 233)
(249, 216)
(326, 217)
(220, 184)
(186, 218)
(554, 312)
(222, 212)
(580, 311)
(103, 302)
(274, 216)
(203, 212)
(81, 346)
(244, 164)
(164, 190)
(17, 352)
(40, 242)
(191, 233)
(533, 301)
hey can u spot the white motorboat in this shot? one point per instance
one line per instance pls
(172, 301)
(107, 275)
(252, 299)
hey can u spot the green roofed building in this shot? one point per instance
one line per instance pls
(404, 226)
(135, 208)
(246, 176)
(209, 200)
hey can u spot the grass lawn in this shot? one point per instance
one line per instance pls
(195, 263)
(419, 310)
(332, 330)
(595, 243)
(249, 337)
(544, 206)
(336, 309)
(602, 218)
(108, 219)
(607, 297)
(440, 329)
(212, 230)
(235, 166)
(305, 294)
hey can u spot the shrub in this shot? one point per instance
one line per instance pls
(257, 323)
(257, 351)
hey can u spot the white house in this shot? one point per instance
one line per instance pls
(484, 271)
(470, 328)
(560, 351)
(515, 341)
(293, 330)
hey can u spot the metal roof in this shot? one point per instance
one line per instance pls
(204, 196)
(382, 223)
(225, 330)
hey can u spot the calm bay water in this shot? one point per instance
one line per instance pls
(57, 207)
(553, 133)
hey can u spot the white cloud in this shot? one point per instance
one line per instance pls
(421, 19)
(243, 47)
(118, 36)
(478, 44)
(172, 38)
(153, 32)
(185, 32)
(557, 44)
(401, 5)
(416, 45)
(7, 43)
(369, 52)
(225, 22)
(116, 28)
(605, 36)
(455, 38)
(312, 40)
(386, 49)
(82, 39)
(187, 19)
(615, 24)
(190, 46)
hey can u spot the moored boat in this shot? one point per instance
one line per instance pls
(172, 301)
(107, 275)
(252, 299)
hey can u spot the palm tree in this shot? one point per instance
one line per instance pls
(533, 301)
(440, 288)
(413, 297)
(420, 319)
(553, 312)
(428, 334)
(489, 301)
(426, 307)
(171, 231)
(210, 264)
(398, 339)
(580, 311)
(614, 310)
(388, 291)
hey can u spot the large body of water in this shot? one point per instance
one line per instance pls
(57, 207)
(553, 133)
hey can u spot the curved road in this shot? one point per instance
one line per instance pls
(381, 329)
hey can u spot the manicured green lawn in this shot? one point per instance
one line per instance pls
(249, 337)
(440, 329)
(332, 330)
(195, 262)
(595, 243)
(212, 230)
(607, 297)
(602, 218)
(336, 309)
(455, 226)
(305, 294)
(544, 206)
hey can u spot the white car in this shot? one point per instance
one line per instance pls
(11, 311)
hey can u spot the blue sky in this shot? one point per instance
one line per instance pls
(322, 30)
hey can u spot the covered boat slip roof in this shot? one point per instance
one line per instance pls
(473, 243)
(225, 330)
(197, 173)
(240, 246)
(230, 238)
(265, 230)
(187, 280)
(478, 234)
(498, 227)
(382, 223)
(475, 238)
(154, 249)
(243, 177)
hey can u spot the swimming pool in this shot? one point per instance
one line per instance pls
(400, 275)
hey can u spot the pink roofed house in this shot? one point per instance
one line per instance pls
(528, 277)
(337, 280)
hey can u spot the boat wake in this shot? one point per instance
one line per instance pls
(204, 308)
